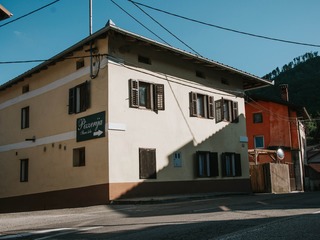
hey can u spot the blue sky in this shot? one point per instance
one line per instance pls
(59, 26)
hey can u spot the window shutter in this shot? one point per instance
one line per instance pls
(214, 169)
(158, 97)
(193, 104)
(210, 107)
(134, 93)
(238, 164)
(197, 165)
(84, 96)
(235, 113)
(72, 100)
(223, 165)
(147, 161)
(219, 110)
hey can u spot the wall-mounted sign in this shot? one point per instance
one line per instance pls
(91, 127)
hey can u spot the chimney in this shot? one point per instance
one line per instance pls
(284, 92)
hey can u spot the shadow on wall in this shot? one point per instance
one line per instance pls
(183, 173)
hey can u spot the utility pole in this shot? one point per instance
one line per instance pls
(90, 33)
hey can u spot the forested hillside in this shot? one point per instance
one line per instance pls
(303, 78)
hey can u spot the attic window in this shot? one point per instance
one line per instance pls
(25, 89)
(200, 74)
(224, 81)
(144, 60)
(80, 63)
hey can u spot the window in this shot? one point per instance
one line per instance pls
(79, 98)
(226, 110)
(201, 105)
(231, 164)
(25, 117)
(25, 89)
(146, 95)
(206, 164)
(200, 74)
(24, 170)
(80, 63)
(224, 81)
(257, 118)
(144, 60)
(79, 157)
(147, 163)
(258, 142)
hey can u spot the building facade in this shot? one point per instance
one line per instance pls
(118, 115)
(273, 124)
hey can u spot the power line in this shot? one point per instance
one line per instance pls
(226, 29)
(165, 28)
(139, 22)
(48, 60)
(29, 13)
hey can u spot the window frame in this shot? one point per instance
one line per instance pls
(226, 111)
(147, 163)
(79, 98)
(24, 170)
(257, 119)
(231, 164)
(206, 164)
(207, 105)
(255, 142)
(25, 117)
(154, 96)
(79, 157)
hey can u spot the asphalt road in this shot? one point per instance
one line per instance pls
(264, 216)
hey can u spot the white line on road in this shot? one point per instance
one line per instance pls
(48, 231)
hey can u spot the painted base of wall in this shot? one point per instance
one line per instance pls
(104, 193)
(149, 188)
(69, 198)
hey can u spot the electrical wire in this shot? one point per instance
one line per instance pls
(166, 29)
(139, 22)
(25, 15)
(47, 60)
(226, 29)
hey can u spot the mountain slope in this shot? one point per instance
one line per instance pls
(303, 84)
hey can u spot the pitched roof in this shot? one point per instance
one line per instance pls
(250, 81)
(4, 13)
(301, 110)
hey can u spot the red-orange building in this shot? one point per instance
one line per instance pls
(274, 124)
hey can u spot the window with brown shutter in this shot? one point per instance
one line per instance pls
(201, 105)
(231, 164)
(206, 164)
(24, 170)
(79, 98)
(25, 117)
(226, 110)
(147, 163)
(79, 157)
(146, 95)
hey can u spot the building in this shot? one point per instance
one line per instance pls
(274, 123)
(4, 13)
(138, 118)
(312, 168)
